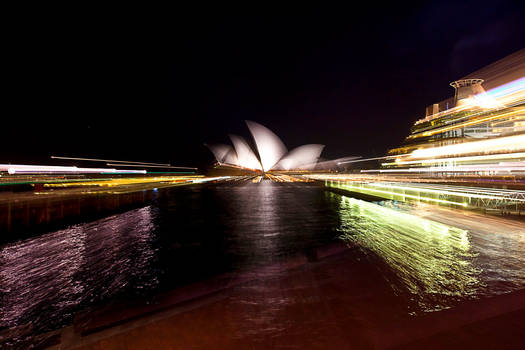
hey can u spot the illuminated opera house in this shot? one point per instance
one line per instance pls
(478, 132)
(272, 154)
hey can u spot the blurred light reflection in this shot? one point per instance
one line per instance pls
(51, 276)
(430, 260)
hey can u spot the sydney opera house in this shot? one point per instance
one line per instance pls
(272, 153)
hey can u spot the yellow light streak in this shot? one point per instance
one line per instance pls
(405, 195)
(438, 191)
(123, 181)
(459, 159)
(502, 144)
(461, 125)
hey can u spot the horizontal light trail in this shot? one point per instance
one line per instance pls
(509, 88)
(508, 195)
(172, 172)
(469, 189)
(48, 169)
(364, 190)
(479, 195)
(113, 182)
(208, 179)
(389, 180)
(473, 168)
(364, 160)
(150, 166)
(458, 159)
(462, 125)
(502, 144)
(107, 160)
(28, 182)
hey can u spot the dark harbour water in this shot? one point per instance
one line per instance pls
(197, 232)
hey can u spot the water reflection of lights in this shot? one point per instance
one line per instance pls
(260, 213)
(430, 260)
(62, 270)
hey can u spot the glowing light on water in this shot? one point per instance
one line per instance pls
(431, 260)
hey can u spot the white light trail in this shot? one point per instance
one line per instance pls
(36, 169)
(399, 161)
(150, 166)
(503, 144)
(107, 160)
(364, 160)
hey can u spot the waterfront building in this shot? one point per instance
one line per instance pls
(480, 130)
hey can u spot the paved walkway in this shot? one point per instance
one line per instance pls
(308, 302)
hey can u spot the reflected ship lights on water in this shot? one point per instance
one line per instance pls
(431, 261)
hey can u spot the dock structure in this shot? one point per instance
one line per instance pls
(504, 201)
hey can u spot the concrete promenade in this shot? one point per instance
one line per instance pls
(319, 301)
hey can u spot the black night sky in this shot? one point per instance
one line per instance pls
(156, 85)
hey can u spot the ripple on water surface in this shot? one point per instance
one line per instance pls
(44, 279)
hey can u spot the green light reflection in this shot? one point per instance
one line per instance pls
(431, 262)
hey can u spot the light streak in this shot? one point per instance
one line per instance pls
(475, 196)
(150, 166)
(415, 183)
(431, 258)
(365, 159)
(208, 179)
(368, 190)
(113, 182)
(32, 169)
(441, 191)
(107, 160)
(504, 94)
(458, 159)
(509, 88)
(464, 124)
(503, 144)
(453, 169)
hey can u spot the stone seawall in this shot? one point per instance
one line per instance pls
(27, 215)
